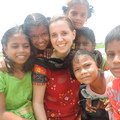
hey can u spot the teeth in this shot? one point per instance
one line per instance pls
(41, 44)
(21, 56)
(62, 45)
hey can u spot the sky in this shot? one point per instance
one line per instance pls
(105, 17)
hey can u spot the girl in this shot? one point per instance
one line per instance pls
(112, 49)
(36, 27)
(55, 93)
(16, 86)
(78, 11)
(85, 66)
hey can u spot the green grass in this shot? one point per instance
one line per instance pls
(100, 45)
(1, 55)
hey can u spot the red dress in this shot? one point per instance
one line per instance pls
(61, 97)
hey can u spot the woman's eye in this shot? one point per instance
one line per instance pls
(53, 35)
(64, 33)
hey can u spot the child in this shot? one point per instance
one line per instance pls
(85, 40)
(36, 27)
(55, 93)
(16, 85)
(78, 11)
(85, 66)
(112, 49)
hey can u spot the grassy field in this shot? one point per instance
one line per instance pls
(100, 45)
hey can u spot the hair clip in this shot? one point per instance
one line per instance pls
(68, 1)
(4, 55)
(91, 9)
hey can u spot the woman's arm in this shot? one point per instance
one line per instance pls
(38, 102)
(6, 115)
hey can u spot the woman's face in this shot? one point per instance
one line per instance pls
(78, 15)
(61, 36)
(39, 36)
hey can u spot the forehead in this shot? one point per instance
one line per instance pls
(83, 39)
(113, 45)
(61, 24)
(79, 7)
(82, 58)
(38, 29)
(18, 38)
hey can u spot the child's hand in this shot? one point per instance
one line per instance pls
(48, 52)
(100, 105)
(89, 106)
(3, 67)
(108, 105)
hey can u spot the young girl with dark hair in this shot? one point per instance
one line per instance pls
(78, 11)
(16, 84)
(85, 68)
(37, 28)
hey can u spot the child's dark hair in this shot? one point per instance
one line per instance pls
(114, 34)
(28, 65)
(35, 19)
(62, 17)
(74, 2)
(95, 55)
(87, 32)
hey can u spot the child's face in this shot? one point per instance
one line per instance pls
(39, 36)
(78, 15)
(83, 43)
(86, 70)
(113, 57)
(18, 48)
(61, 36)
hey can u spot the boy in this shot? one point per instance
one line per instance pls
(112, 49)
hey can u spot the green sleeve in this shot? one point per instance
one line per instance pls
(2, 82)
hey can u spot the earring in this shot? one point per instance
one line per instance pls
(73, 46)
